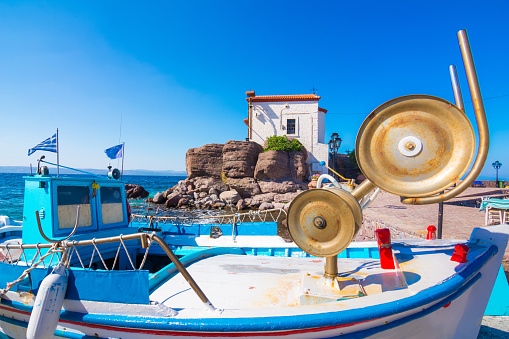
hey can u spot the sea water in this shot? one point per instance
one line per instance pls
(12, 186)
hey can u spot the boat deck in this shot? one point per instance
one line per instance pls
(268, 284)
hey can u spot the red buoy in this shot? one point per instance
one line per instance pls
(431, 233)
(460, 253)
(383, 237)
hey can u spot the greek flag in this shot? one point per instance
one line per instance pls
(115, 151)
(48, 145)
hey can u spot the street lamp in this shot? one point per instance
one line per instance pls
(334, 144)
(496, 165)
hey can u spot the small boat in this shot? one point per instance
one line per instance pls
(81, 271)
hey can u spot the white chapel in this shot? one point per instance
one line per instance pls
(296, 116)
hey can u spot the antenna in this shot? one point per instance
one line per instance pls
(313, 89)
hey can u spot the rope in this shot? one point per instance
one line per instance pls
(27, 271)
(146, 252)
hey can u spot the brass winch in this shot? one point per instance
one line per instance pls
(415, 146)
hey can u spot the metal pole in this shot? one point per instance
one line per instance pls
(58, 158)
(440, 219)
(123, 150)
(458, 98)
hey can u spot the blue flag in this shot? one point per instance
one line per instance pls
(115, 151)
(48, 145)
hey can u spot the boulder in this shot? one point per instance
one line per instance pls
(285, 198)
(204, 184)
(246, 187)
(272, 165)
(299, 169)
(231, 197)
(279, 205)
(241, 204)
(135, 191)
(206, 160)
(167, 192)
(158, 198)
(183, 202)
(173, 199)
(239, 158)
(256, 200)
(180, 187)
(266, 206)
(277, 186)
(218, 204)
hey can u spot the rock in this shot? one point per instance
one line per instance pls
(247, 187)
(196, 195)
(214, 191)
(180, 187)
(239, 158)
(205, 161)
(204, 184)
(183, 202)
(256, 200)
(213, 197)
(135, 191)
(231, 197)
(203, 195)
(158, 198)
(277, 186)
(279, 205)
(218, 204)
(299, 169)
(241, 204)
(285, 198)
(167, 192)
(266, 206)
(272, 165)
(173, 199)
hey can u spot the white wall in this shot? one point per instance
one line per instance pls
(270, 118)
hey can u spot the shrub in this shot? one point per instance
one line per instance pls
(282, 143)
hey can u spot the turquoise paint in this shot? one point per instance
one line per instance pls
(499, 299)
(43, 198)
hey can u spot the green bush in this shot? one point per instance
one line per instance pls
(282, 143)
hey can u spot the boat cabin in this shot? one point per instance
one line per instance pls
(103, 209)
(102, 204)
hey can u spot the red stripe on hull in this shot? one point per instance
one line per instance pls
(195, 334)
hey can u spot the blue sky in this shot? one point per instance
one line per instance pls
(176, 73)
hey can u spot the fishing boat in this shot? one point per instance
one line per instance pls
(81, 271)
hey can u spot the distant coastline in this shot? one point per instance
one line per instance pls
(26, 169)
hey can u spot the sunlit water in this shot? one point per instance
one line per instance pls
(12, 188)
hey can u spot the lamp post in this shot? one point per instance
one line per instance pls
(496, 165)
(334, 144)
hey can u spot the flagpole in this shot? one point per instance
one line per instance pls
(58, 160)
(123, 150)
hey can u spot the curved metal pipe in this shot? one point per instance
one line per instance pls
(328, 177)
(66, 238)
(482, 125)
(364, 188)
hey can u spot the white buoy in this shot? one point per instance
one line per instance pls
(48, 304)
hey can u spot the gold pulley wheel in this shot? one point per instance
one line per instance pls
(415, 145)
(323, 222)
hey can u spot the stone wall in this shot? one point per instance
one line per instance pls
(370, 225)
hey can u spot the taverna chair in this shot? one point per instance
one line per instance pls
(494, 215)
